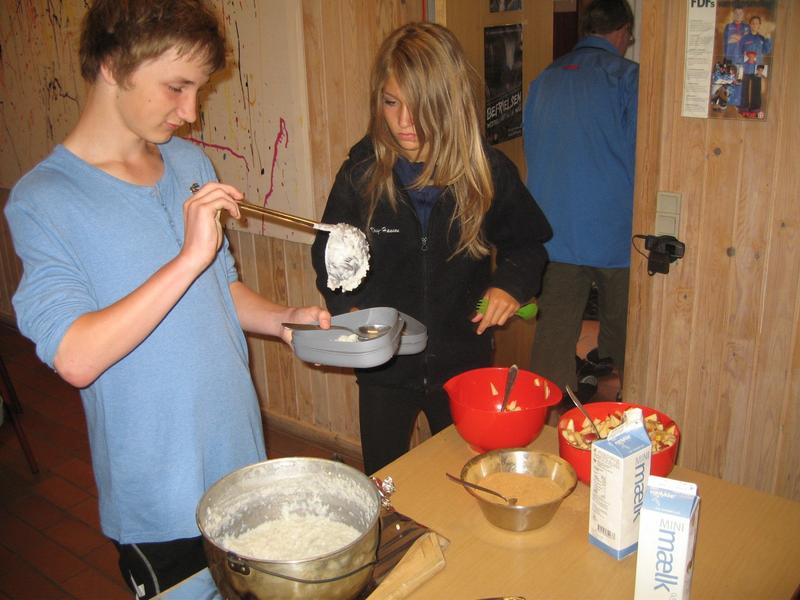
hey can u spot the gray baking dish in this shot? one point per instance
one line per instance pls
(323, 347)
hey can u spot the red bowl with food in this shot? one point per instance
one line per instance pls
(577, 451)
(476, 397)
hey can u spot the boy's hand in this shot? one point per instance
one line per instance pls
(305, 314)
(202, 228)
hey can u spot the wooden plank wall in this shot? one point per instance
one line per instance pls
(10, 265)
(715, 342)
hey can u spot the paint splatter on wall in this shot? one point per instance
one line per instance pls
(253, 120)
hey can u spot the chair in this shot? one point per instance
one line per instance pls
(9, 397)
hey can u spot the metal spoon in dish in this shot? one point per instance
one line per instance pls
(577, 403)
(509, 501)
(363, 332)
(510, 378)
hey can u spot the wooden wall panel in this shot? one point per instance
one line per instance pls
(10, 265)
(642, 326)
(773, 426)
(711, 305)
(715, 342)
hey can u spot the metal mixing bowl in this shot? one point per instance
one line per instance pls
(298, 486)
(528, 462)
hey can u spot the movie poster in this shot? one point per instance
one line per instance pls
(729, 50)
(503, 70)
(504, 5)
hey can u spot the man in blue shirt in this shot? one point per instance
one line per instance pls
(579, 131)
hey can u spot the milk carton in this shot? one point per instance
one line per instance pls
(667, 535)
(620, 468)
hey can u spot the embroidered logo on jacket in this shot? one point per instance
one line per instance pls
(383, 229)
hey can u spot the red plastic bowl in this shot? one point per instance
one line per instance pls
(475, 407)
(661, 462)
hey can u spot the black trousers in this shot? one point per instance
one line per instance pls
(751, 94)
(152, 568)
(387, 416)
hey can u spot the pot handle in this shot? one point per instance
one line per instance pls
(242, 567)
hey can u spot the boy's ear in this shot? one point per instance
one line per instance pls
(107, 73)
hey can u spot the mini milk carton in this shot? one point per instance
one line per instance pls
(667, 536)
(620, 468)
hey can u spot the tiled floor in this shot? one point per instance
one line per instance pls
(50, 541)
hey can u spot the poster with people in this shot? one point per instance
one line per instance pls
(741, 47)
(503, 72)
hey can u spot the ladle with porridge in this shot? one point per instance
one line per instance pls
(346, 253)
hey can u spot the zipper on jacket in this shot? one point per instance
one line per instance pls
(423, 247)
(425, 277)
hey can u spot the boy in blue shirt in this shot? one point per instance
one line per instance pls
(753, 47)
(130, 291)
(731, 36)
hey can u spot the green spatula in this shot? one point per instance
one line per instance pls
(526, 311)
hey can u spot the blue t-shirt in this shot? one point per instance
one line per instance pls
(754, 47)
(579, 132)
(180, 410)
(733, 50)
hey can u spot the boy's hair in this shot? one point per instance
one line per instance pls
(605, 16)
(439, 86)
(126, 33)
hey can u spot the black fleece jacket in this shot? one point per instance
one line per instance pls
(410, 270)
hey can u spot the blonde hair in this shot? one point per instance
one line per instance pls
(438, 83)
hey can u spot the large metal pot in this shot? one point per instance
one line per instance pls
(302, 486)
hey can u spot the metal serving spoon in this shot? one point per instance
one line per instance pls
(509, 501)
(577, 403)
(364, 332)
(512, 375)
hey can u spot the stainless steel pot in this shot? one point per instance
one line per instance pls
(302, 486)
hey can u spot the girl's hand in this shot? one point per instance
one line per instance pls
(501, 306)
(201, 219)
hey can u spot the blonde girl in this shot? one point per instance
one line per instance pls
(434, 200)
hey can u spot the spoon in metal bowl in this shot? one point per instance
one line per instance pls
(363, 332)
(510, 501)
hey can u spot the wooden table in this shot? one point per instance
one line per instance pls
(748, 543)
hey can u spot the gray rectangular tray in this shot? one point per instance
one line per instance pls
(324, 347)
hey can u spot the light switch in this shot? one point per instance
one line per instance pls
(668, 213)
